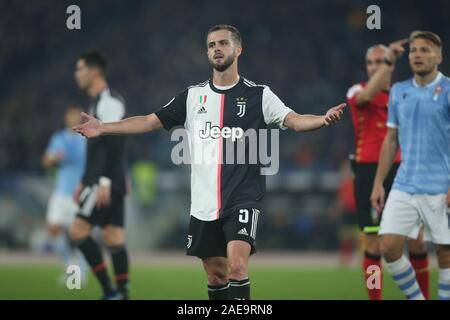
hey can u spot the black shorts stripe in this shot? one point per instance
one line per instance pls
(113, 214)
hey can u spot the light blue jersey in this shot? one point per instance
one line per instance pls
(422, 116)
(71, 168)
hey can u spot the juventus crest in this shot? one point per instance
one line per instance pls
(240, 103)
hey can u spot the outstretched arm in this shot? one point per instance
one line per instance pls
(307, 122)
(93, 127)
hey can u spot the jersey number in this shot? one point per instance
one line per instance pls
(243, 215)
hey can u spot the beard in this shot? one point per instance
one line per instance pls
(423, 73)
(224, 65)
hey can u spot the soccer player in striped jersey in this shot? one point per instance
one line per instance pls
(225, 197)
(101, 193)
(368, 103)
(418, 123)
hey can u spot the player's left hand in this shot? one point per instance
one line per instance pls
(103, 196)
(333, 115)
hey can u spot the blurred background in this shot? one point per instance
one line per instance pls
(308, 52)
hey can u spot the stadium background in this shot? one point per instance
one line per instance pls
(308, 52)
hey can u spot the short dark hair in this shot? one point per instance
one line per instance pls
(426, 35)
(235, 34)
(94, 59)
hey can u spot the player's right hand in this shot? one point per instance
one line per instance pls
(377, 197)
(396, 49)
(91, 127)
(103, 196)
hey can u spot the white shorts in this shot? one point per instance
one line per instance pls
(404, 213)
(61, 209)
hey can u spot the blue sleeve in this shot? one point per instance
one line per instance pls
(392, 121)
(55, 145)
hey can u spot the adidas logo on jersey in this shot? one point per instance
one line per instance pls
(243, 231)
(201, 110)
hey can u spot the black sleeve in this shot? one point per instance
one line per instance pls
(174, 113)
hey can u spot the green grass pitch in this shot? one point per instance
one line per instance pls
(188, 282)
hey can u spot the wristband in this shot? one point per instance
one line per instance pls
(105, 182)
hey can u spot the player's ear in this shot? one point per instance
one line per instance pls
(238, 51)
(96, 72)
(439, 57)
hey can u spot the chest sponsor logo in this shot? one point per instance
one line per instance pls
(216, 132)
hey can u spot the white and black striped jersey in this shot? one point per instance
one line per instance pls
(210, 116)
(106, 154)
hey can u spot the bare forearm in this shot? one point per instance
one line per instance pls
(379, 81)
(133, 125)
(307, 122)
(387, 156)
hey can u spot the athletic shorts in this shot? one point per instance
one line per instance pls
(404, 213)
(210, 238)
(61, 209)
(367, 217)
(110, 215)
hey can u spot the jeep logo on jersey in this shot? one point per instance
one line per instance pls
(240, 103)
(216, 132)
